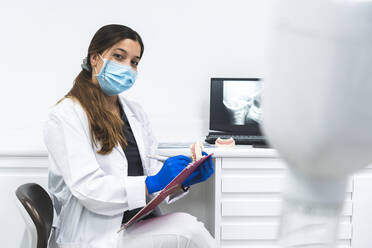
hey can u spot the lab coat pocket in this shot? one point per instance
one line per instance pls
(113, 163)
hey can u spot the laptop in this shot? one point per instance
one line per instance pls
(235, 111)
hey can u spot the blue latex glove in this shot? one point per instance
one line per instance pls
(171, 168)
(202, 173)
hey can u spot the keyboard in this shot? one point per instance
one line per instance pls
(240, 139)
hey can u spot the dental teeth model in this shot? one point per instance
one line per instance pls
(196, 151)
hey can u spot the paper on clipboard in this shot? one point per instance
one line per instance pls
(170, 188)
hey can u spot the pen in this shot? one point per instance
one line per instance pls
(158, 157)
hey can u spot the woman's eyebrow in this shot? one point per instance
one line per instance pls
(121, 49)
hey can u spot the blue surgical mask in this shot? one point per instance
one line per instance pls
(114, 78)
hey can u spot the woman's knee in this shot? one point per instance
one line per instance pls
(194, 230)
(183, 217)
(178, 227)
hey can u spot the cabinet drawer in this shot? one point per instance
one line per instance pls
(253, 163)
(263, 207)
(256, 184)
(266, 231)
(265, 244)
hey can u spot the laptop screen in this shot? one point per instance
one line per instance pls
(235, 105)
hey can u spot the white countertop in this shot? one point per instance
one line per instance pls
(171, 149)
(236, 151)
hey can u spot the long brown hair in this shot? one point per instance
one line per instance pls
(105, 127)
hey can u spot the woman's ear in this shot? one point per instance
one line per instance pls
(93, 60)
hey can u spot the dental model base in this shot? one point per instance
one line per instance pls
(225, 142)
(317, 110)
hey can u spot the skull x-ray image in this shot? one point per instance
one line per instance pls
(242, 101)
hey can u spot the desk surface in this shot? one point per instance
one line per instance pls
(172, 149)
(236, 151)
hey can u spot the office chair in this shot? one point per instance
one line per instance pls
(37, 210)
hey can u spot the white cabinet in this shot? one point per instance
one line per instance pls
(362, 209)
(247, 202)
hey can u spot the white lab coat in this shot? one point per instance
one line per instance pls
(90, 191)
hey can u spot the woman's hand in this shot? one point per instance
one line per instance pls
(202, 173)
(171, 168)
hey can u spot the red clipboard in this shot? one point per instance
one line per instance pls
(170, 188)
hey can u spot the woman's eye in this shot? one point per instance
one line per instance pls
(118, 56)
(135, 63)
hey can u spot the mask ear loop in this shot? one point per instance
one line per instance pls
(95, 68)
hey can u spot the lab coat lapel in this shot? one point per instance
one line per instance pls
(136, 126)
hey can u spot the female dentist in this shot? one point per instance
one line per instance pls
(99, 174)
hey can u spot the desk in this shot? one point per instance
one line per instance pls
(246, 203)
(240, 204)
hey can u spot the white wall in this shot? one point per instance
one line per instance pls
(186, 42)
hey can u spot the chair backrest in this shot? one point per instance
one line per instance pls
(39, 206)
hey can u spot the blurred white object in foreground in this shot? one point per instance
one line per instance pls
(318, 109)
